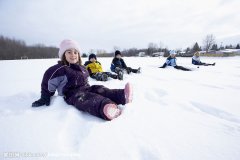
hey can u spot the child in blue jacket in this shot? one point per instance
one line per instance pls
(118, 65)
(196, 60)
(171, 61)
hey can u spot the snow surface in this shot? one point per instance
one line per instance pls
(175, 115)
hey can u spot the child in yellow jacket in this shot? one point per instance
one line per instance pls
(95, 70)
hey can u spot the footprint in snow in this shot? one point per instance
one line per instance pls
(216, 112)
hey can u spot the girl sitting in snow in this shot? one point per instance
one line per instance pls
(70, 78)
(171, 61)
(95, 69)
(196, 60)
(118, 65)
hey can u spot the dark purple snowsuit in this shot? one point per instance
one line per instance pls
(72, 83)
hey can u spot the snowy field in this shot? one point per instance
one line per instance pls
(175, 115)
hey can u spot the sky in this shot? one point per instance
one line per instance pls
(122, 24)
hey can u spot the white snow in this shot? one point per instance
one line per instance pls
(175, 115)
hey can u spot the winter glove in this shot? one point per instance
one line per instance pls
(44, 100)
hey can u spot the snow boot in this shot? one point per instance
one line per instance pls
(128, 91)
(111, 111)
(104, 77)
(120, 75)
(114, 76)
(139, 70)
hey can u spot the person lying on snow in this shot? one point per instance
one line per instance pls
(118, 65)
(196, 60)
(95, 70)
(70, 78)
(171, 61)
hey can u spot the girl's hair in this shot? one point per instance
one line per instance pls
(196, 53)
(65, 62)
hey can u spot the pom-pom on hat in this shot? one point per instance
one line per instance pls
(92, 56)
(67, 44)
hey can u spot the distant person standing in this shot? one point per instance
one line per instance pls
(196, 60)
(171, 61)
(118, 65)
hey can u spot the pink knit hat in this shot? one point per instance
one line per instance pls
(67, 44)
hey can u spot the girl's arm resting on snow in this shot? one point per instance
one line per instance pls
(44, 100)
(51, 80)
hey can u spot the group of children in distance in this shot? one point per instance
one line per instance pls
(70, 78)
(171, 61)
(118, 66)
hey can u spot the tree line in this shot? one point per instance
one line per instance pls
(131, 52)
(209, 45)
(17, 49)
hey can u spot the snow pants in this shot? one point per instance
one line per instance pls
(176, 67)
(204, 64)
(103, 76)
(93, 98)
(128, 69)
(182, 68)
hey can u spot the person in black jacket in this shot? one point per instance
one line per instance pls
(118, 65)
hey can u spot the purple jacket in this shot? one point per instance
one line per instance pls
(72, 83)
(66, 79)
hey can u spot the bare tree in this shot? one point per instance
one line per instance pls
(101, 51)
(91, 51)
(131, 52)
(208, 42)
(17, 49)
(161, 46)
(116, 48)
(152, 47)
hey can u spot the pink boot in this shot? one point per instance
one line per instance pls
(128, 93)
(111, 111)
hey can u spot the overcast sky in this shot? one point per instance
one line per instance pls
(103, 24)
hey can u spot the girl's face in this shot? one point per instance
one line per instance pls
(72, 56)
(173, 55)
